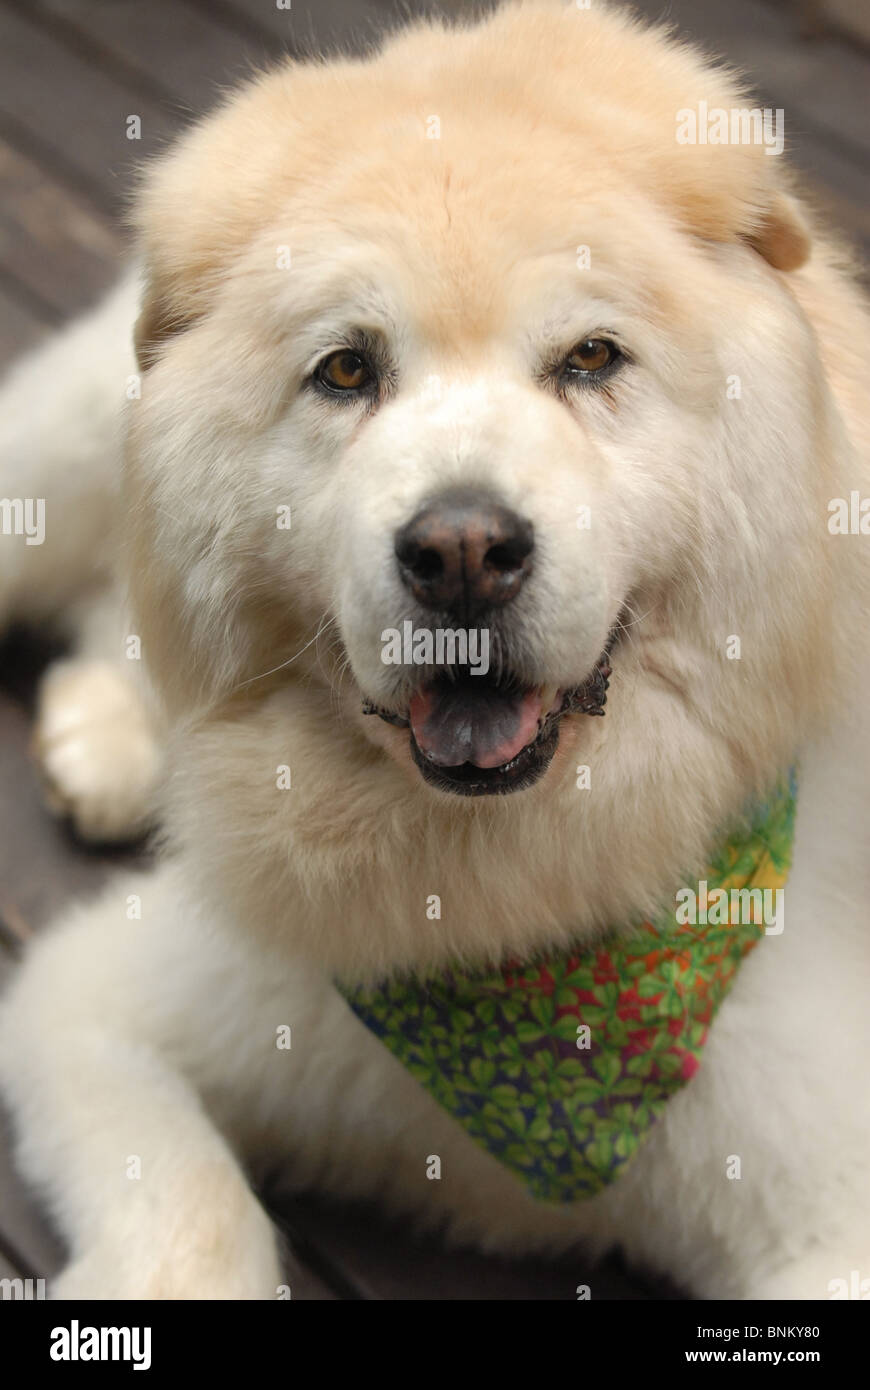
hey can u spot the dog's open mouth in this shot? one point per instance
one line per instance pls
(478, 736)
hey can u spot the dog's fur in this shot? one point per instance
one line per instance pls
(156, 1037)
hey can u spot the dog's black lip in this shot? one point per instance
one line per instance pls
(589, 697)
(399, 721)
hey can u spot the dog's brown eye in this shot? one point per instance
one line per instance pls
(345, 371)
(592, 355)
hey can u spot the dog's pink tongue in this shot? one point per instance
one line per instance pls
(467, 723)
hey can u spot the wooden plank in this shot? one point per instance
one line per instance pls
(42, 870)
(820, 86)
(304, 1283)
(70, 114)
(851, 16)
(53, 242)
(372, 1259)
(25, 1236)
(823, 85)
(182, 52)
(841, 194)
(20, 327)
(8, 1270)
(308, 25)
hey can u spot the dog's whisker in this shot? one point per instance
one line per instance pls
(284, 664)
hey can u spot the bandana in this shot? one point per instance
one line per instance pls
(560, 1067)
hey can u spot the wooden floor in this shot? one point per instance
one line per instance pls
(71, 73)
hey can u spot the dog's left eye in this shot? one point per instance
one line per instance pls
(591, 356)
(344, 371)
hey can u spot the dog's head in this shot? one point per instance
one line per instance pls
(466, 377)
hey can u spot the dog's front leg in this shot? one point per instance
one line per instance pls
(157, 1205)
(102, 1083)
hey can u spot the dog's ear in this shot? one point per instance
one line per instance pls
(783, 235)
(186, 228)
(158, 321)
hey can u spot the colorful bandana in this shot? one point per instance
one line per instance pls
(560, 1068)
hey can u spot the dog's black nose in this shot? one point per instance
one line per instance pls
(464, 552)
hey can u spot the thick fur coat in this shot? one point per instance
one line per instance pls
(474, 201)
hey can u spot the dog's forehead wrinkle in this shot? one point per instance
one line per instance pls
(460, 289)
(352, 294)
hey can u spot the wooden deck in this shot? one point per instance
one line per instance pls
(71, 72)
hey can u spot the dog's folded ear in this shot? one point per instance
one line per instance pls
(734, 194)
(730, 195)
(783, 235)
(156, 323)
(187, 226)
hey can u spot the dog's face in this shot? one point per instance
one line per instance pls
(444, 400)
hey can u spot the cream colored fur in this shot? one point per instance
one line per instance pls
(156, 1037)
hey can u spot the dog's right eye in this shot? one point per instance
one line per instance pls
(344, 371)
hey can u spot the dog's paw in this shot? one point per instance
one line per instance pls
(96, 750)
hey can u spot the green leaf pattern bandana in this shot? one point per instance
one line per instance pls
(560, 1066)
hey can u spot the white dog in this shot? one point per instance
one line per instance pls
(459, 344)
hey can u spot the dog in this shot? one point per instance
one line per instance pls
(491, 519)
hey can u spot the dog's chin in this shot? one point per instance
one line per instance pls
(479, 736)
